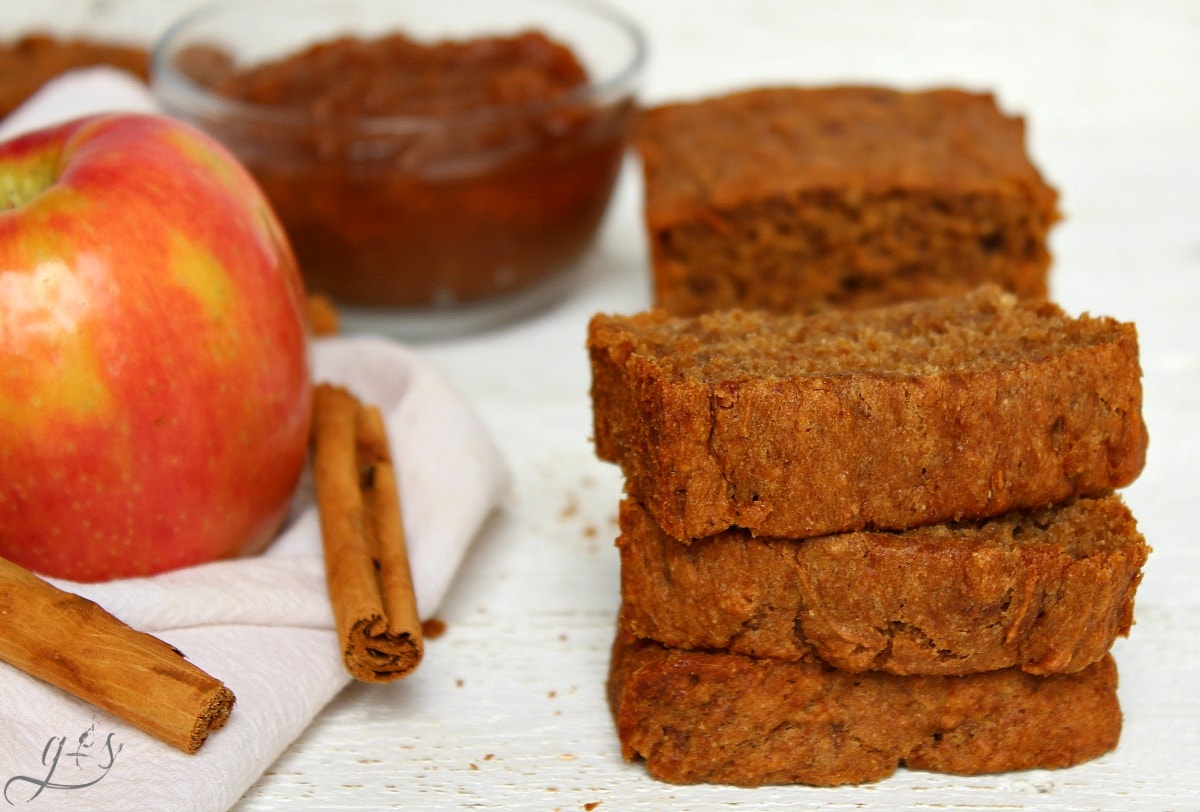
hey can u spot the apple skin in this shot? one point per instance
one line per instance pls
(155, 389)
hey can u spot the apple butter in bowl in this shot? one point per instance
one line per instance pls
(439, 167)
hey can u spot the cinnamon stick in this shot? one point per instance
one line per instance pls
(366, 557)
(74, 644)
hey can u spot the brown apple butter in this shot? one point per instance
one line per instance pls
(417, 174)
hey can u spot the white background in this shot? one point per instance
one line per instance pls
(508, 709)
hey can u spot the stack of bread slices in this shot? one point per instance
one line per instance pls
(854, 541)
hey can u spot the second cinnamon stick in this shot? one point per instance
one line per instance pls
(366, 560)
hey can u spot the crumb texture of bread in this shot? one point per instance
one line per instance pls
(891, 418)
(1045, 591)
(798, 199)
(717, 717)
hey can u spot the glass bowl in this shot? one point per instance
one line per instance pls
(423, 201)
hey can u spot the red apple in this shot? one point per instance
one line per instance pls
(154, 380)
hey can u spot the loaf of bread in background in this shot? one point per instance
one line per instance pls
(890, 418)
(31, 60)
(799, 199)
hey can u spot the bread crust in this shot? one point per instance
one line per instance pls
(716, 717)
(1044, 591)
(891, 418)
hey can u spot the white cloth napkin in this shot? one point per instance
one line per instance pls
(261, 625)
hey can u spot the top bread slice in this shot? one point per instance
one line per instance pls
(890, 418)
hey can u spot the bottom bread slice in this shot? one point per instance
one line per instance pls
(722, 718)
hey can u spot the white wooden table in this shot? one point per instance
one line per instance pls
(508, 709)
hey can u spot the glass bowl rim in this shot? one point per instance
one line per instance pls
(176, 91)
